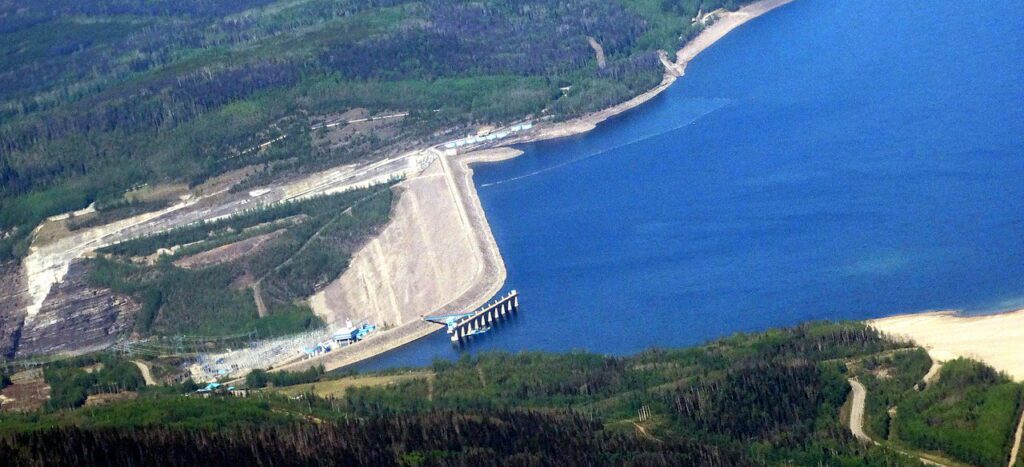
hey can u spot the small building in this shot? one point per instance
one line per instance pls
(210, 388)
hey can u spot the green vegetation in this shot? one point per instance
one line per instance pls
(771, 398)
(119, 209)
(970, 413)
(319, 237)
(889, 378)
(98, 96)
(70, 384)
(260, 378)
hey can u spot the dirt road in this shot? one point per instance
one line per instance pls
(857, 406)
(146, 374)
(1016, 440)
(857, 411)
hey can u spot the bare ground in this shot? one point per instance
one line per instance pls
(859, 395)
(147, 375)
(338, 387)
(227, 253)
(27, 392)
(997, 340)
(598, 51)
(110, 397)
(1017, 435)
(436, 256)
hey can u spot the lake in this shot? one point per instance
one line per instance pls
(829, 160)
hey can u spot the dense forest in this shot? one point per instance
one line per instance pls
(774, 398)
(99, 96)
(499, 409)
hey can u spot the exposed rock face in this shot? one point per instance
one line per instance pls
(76, 318)
(13, 299)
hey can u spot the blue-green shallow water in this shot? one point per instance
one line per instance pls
(829, 160)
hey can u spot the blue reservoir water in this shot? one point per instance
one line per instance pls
(829, 160)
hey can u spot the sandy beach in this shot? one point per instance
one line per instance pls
(997, 339)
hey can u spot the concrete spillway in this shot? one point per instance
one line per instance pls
(481, 321)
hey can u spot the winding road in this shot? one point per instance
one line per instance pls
(860, 394)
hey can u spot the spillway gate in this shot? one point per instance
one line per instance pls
(463, 326)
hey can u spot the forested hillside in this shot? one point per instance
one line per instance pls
(776, 398)
(773, 398)
(98, 96)
(204, 287)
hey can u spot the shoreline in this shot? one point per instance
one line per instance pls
(944, 334)
(480, 234)
(723, 25)
(488, 280)
(996, 339)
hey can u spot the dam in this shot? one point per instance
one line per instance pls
(463, 326)
(852, 199)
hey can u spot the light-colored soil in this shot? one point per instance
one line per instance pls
(643, 432)
(257, 296)
(147, 375)
(598, 51)
(225, 181)
(48, 261)
(395, 277)
(997, 340)
(724, 22)
(859, 395)
(1015, 451)
(437, 255)
(93, 368)
(107, 398)
(933, 372)
(436, 250)
(227, 253)
(160, 192)
(338, 387)
(28, 392)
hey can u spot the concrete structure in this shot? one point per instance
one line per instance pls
(481, 321)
